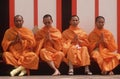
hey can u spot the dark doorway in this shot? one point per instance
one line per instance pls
(4, 19)
(66, 13)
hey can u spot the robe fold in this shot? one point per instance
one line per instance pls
(104, 53)
(76, 53)
(49, 50)
(20, 53)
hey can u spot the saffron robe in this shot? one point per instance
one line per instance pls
(20, 53)
(49, 50)
(104, 53)
(76, 53)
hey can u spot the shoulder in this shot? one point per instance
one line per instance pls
(54, 29)
(65, 31)
(108, 32)
(9, 30)
(27, 29)
(92, 33)
(81, 29)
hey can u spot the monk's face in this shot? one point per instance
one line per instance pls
(18, 21)
(74, 21)
(100, 23)
(47, 21)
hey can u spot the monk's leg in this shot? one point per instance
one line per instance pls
(71, 69)
(52, 65)
(49, 57)
(17, 70)
(28, 60)
(85, 60)
(10, 59)
(87, 70)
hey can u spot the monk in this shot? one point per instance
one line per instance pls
(49, 44)
(18, 43)
(103, 47)
(75, 46)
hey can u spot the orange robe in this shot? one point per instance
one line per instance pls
(20, 53)
(77, 56)
(104, 54)
(47, 50)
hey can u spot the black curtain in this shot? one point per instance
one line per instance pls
(66, 13)
(4, 19)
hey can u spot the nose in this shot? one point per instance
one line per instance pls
(101, 23)
(18, 22)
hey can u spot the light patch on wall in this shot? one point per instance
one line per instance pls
(25, 8)
(86, 13)
(46, 7)
(108, 9)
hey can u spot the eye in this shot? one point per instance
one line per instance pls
(47, 22)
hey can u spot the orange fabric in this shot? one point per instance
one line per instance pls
(47, 50)
(104, 54)
(20, 53)
(78, 57)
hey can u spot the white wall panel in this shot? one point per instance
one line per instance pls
(86, 13)
(108, 9)
(46, 7)
(25, 8)
(85, 10)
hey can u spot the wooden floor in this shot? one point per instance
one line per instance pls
(64, 77)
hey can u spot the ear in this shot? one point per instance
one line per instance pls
(23, 21)
(52, 20)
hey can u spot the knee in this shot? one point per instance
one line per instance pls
(6, 54)
(60, 53)
(84, 47)
(43, 51)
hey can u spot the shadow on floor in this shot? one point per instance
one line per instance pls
(44, 69)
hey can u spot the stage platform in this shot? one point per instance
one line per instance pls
(64, 77)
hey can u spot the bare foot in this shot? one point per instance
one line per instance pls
(104, 72)
(23, 72)
(88, 73)
(70, 73)
(14, 72)
(56, 73)
(111, 73)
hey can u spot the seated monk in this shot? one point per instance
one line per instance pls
(75, 44)
(18, 43)
(103, 47)
(49, 45)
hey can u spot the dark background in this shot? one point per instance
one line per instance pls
(4, 19)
